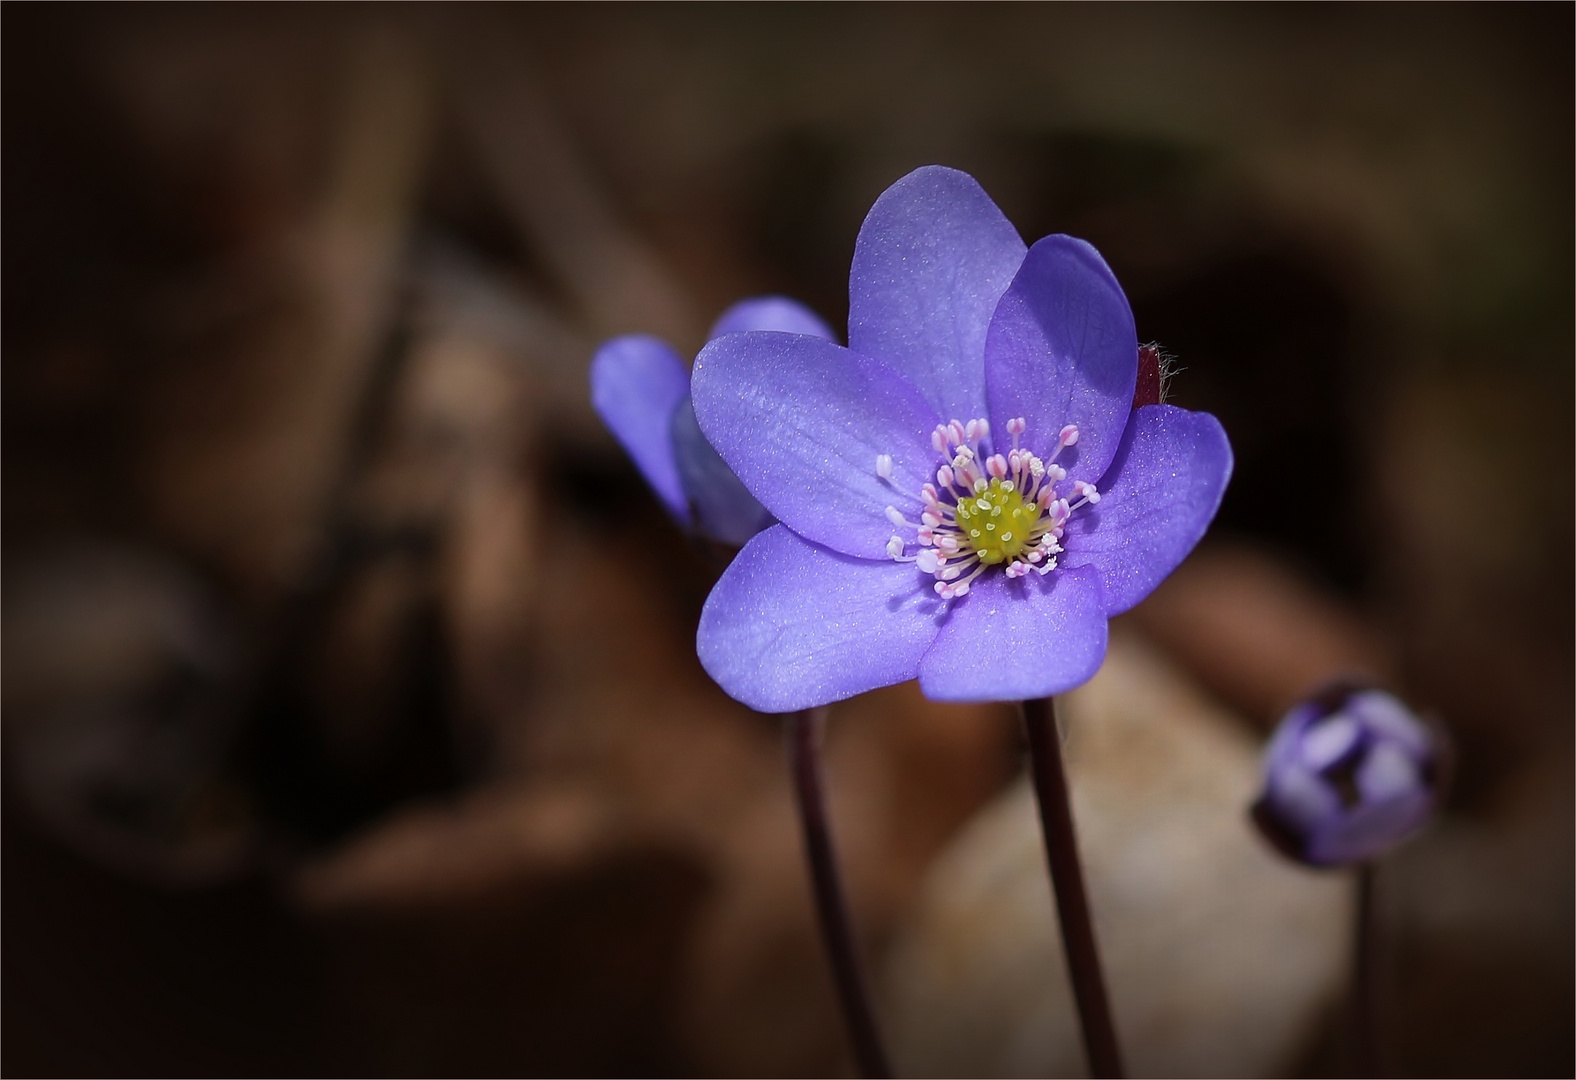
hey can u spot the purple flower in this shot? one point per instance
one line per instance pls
(983, 554)
(640, 388)
(1348, 775)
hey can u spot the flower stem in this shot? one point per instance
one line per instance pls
(1365, 1005)
(1072, 903)
(804, 758)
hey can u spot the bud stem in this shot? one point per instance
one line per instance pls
(1366, 1059)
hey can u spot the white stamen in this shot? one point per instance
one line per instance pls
(1069, 435)
(897, 518)
(1090, 495)
(884, 466)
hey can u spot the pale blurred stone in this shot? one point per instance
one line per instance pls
(1221, 958)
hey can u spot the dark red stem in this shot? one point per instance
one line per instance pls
(1072, 901)
(837, 932)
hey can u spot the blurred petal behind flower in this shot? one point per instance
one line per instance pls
(640, 388)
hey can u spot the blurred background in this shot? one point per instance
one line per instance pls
(352, 722)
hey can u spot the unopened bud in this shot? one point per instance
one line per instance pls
(1347, 775)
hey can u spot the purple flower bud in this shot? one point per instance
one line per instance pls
(1349, 774)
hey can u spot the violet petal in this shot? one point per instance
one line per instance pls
(1062, 350)
(636, 383)
(1158, 497)
(791, 625)
(1370, 830)
(1008, 640)
(933, 257)
(1302, 799)
(1329, 740)
(802, 422)
(771, 313)
(723, 507)
(1284, 747)
(1384, 715)
(1388, 773)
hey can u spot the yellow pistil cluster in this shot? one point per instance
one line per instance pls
(996, 522)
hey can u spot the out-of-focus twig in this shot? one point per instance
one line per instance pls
(251, 439)
(555, 199)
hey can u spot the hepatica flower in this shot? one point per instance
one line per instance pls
(1348, 775)
(641, 389)
(965, 493)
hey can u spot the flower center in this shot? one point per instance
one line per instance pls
(996, 523)
(987, 510)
